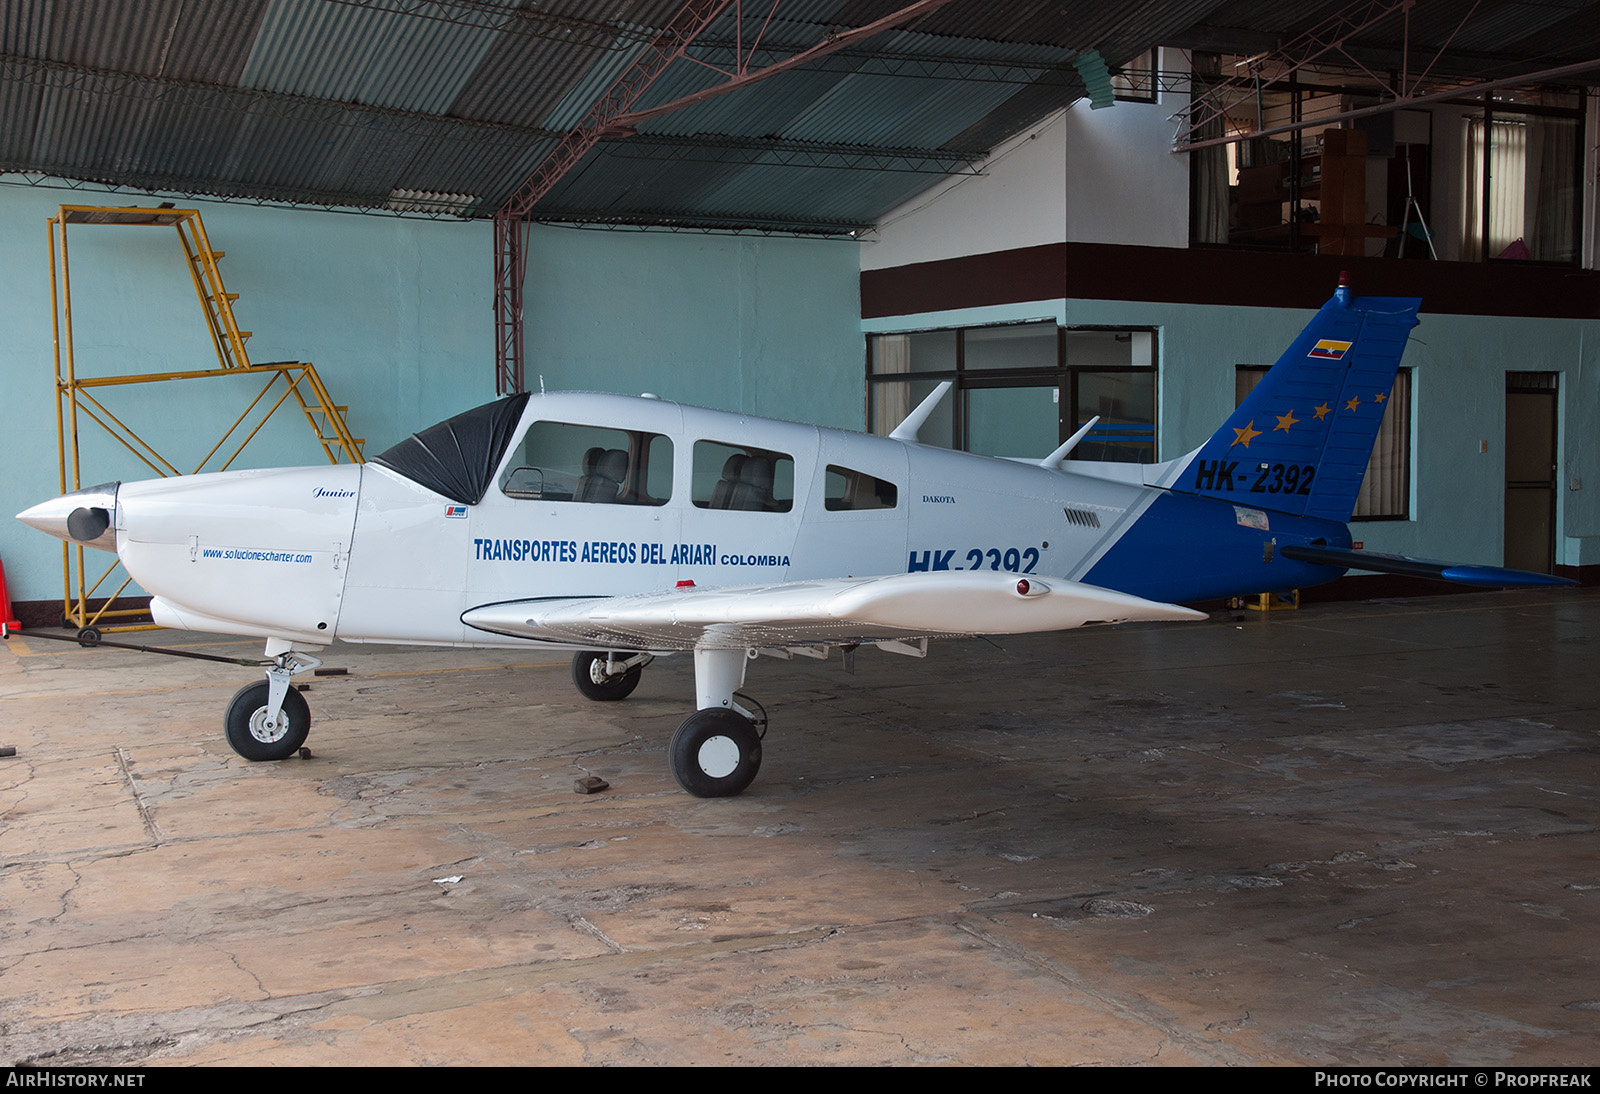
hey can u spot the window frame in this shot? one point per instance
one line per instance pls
(1399, 487)
(1480, 192)
(702, 448)
(1266, 193)
(859, 486)
(1063, 375)
(1142, 69)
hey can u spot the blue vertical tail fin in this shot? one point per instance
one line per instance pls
(1300, 442)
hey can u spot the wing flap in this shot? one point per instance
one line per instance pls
(831, 611)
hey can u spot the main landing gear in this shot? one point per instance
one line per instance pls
(716, 752)
(268, 720)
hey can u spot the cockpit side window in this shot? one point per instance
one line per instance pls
(846, 489)
(730, 476)
(562, 461)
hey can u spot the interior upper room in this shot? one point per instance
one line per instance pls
(1291, 154)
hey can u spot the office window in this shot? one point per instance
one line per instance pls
(1386, 489)
(1521, 187)
(1135, 82)
(1299, 164)
(1021, 389)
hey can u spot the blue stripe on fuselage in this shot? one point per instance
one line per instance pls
(1186, 548)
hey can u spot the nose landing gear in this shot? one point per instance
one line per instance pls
(268, 720)
(255, 733)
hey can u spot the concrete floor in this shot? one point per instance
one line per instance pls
(1353, 834)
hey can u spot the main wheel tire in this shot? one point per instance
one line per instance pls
(247, 714)
(715, 753)
(589, 673)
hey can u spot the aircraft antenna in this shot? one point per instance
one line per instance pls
(907, 430)
(1055, 458)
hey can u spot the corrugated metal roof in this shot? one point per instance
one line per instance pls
(369, 54)
(522, 77)
(871, 109)
(590, 84)
(451, 104)
(172, 38)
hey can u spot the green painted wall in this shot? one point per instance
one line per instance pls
(1458, 369)
(398, 317)
(765, 325)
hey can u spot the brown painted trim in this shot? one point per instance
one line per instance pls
(1219, 276)
(972, 281)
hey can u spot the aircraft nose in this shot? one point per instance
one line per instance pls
(86, 516)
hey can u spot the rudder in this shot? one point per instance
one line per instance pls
(1300, 442)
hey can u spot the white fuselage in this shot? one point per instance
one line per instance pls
(366, 554)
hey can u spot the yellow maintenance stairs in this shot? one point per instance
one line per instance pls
(79, 398)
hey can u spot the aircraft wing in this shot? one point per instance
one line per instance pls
(1461, 573)
(832, 611)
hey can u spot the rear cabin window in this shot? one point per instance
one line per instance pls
(560, 461)
(729, 476)
(846, 489)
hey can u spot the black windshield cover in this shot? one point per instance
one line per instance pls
(458, 457)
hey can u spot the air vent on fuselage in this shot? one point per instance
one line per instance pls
(1082, 517)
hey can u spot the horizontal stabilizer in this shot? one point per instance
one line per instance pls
(829, 611)
(1461, 573)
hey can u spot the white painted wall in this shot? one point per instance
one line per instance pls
(1017, 200)
(1124, 184)
(1080, 175)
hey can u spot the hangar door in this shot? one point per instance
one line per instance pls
(1530, 535)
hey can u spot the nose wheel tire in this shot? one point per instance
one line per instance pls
(715, 753)
(246, 721)
(589, 674)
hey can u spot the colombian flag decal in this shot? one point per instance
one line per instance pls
(1329, 350)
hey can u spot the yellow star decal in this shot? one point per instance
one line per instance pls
(1353, 403)
(1380, 397)
(1321, 412)
(1285, 421)
(1245, 435)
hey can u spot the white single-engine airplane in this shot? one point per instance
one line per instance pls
(628, 527)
